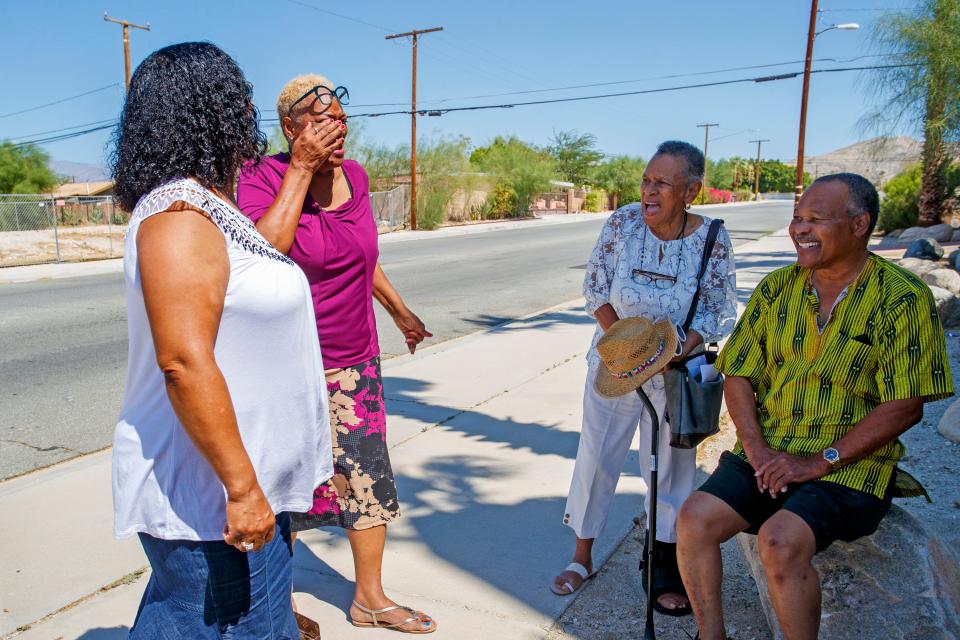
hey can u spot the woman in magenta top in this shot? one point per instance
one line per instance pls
(314, 205)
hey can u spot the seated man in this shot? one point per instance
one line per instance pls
(831, 361)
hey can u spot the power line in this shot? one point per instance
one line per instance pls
(60, 101)
(860, 10)
(65, 136)
(782, 76)
(665, 77)
(76, 126)
(341, 16)
(735, 133)
(718, 83)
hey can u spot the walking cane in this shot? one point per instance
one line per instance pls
(650, 633)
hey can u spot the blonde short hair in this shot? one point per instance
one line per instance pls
(295, 89)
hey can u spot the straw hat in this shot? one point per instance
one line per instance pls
(632, 351)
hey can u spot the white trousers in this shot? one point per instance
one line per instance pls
(608, 428)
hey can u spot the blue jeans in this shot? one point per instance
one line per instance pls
(209, 590)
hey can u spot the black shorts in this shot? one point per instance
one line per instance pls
(832, 511)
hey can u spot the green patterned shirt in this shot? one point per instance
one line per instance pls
(883, 342)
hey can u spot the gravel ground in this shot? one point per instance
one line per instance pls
(612, 605)
(935, 462)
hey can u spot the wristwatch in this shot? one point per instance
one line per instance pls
(832, 456)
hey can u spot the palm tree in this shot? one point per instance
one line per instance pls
(920, 86)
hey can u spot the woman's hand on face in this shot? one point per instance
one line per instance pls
(250, 520)
(412, 328)
(315, 143)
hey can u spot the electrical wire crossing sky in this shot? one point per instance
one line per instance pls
(632, 74)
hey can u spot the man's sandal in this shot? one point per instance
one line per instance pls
(415, 616)
(309, 629)
(568, 588)
(666, 578)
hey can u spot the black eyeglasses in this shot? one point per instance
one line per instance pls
(658, 280)
(324, 97)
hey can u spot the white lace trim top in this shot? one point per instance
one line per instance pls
(268, 352)
(627, 254)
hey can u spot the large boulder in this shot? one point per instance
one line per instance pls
(945, 278)
(954, 259)
(948, 306)
(918, 266)
(949, 426)
(901, 583)
(924, 248)
(938, 232)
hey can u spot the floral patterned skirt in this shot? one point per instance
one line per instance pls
(362, 492)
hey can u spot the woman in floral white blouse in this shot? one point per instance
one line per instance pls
(645, 263)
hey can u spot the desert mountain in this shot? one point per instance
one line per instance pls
(879, 159)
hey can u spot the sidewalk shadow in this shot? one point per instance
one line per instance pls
(504, 323)
(488, 521)
(106, 633)
(513, 547)
(536, 437)
(766, 262)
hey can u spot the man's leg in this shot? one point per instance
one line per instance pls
(787, 546)
(705, 523)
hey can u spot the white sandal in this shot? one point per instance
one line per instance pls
(568, 588)
(416, 616)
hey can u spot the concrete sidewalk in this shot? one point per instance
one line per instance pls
(483, 434)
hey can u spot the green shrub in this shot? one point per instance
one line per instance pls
(69, 217)
(899, 208)
(482, 210)
(526, 170)
(743, 195)
(621, 175)
(502, 201)
(431, 207)
(595, 201)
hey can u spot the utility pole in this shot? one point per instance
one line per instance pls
(756, 170)
(126, 41)
(811, 34)
(706, 141)
(415, 34)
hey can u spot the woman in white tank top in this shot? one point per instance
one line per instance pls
(224, 422)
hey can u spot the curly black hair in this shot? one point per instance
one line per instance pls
(189, 113)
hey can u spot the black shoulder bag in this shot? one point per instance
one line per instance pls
(693, 406)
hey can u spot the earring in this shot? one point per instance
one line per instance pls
(686, 207)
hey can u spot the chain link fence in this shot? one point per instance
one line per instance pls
(40, 228)
(35, 229)
(391, 208)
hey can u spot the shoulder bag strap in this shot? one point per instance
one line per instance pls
(711, 240)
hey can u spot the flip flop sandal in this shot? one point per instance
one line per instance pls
(666, 578)
(568, 588)
(309, 629)
(697, 637)
(415, 616)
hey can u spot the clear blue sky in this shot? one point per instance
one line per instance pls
(52, 50)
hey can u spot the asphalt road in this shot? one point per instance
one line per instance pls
(63, 342)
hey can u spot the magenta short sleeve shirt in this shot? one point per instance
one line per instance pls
(337, 250)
